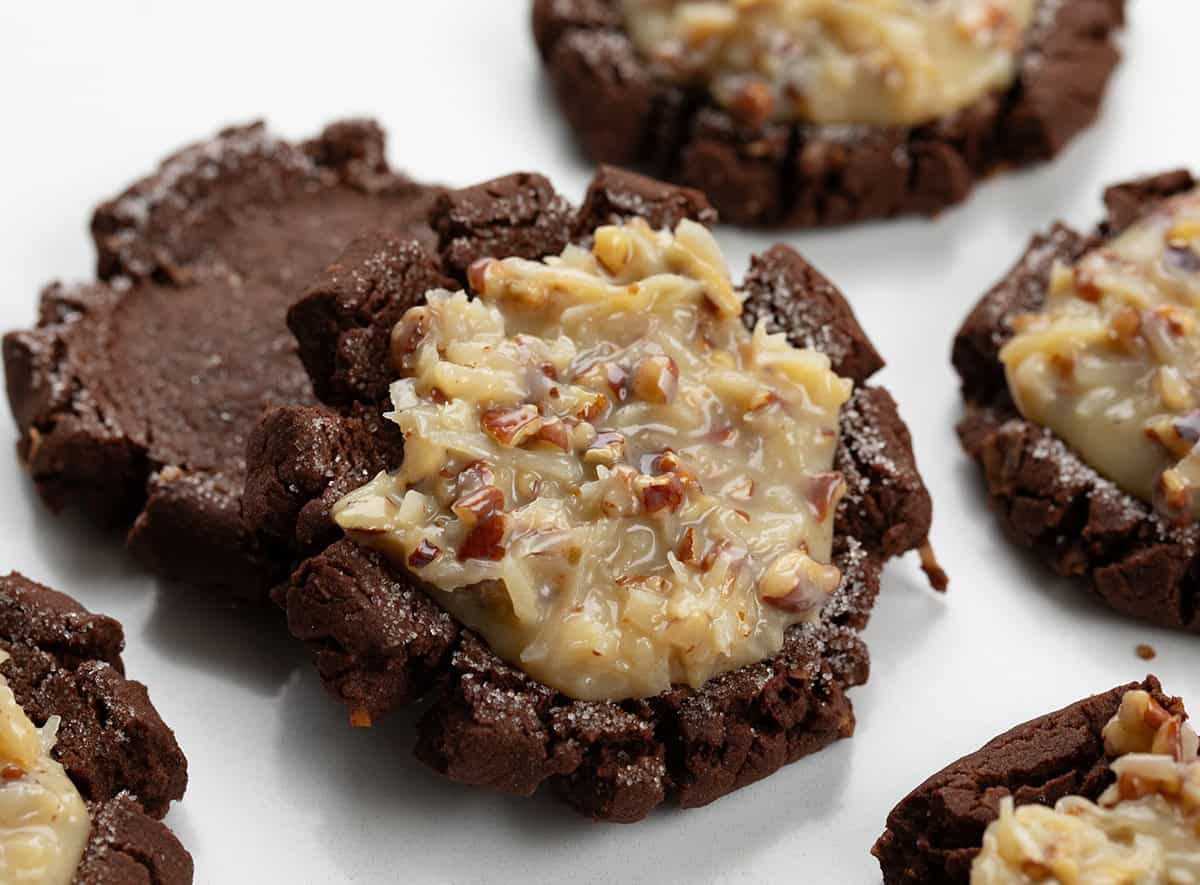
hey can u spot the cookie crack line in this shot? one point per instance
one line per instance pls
(134, 396)
(624, 111)
(379, 641)
(1045, 495)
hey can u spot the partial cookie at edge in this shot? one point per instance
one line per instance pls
(1046, 497)
(623, 112)
(124, 760)
(935, 832)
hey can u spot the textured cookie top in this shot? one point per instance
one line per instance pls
(1111, 361)
(135, 396)
(605, 472)
(871, 62)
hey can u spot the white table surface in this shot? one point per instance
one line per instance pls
(94, 94)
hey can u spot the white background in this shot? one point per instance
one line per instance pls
(94, 94)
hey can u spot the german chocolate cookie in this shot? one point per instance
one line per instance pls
(1044, 493)
(625, 110)
(935, 833)
(379, 640)
(134, 395)
(65, 661)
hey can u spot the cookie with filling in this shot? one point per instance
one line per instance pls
(1105, 789)
(809, 114)
(374, 612)
(1050, 472)
(104, 767)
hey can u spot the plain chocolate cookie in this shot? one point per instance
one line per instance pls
(378, 641)
(625, 112)
(122, 758)
(134, 396)
(1046, 497)
(936, 831)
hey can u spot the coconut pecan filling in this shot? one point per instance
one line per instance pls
(872, 62)
(605, 473)
(1144, 829)
(1111, 363)
(44, 824)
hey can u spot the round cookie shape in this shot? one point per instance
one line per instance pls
(134, 395)
(934, 834)
(65, 661)
(625, 109)
(1045, 495)
(379, 641)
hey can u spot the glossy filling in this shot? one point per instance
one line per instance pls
(872, 62)
(1111, 363)
(44, 823)
(605, 473)
(1143, 830)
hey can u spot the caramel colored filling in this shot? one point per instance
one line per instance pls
(1143, 830)
(605, 473)
(44, 823)
(871, 62)
(1111, 363)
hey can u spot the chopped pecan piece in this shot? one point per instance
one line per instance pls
(655, 379)
(479, 506)
(661, 493)
(477, 274)
(554, 432)
(607, 448)
(423, 554)
(483, 541)
(511, 427)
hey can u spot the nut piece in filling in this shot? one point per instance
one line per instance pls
(1144, 830)
(605, 473)
(44, 823)
(871, 62)
(1111, 363)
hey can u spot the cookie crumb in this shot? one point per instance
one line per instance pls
(1146, 652)
(938, 579)
(360, 717)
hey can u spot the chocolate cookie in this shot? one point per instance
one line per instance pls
(134, 396)
(1046, 497)
(625, 111)
(123, 759)
(379, 641)
(936, 831)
